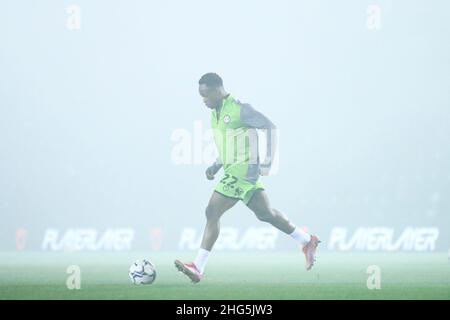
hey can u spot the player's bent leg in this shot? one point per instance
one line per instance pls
(259, 204)
(217, 206)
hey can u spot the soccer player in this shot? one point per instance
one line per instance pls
(234, 125)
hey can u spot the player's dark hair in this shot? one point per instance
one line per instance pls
(211, 80)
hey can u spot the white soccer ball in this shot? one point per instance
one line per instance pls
(142, 272)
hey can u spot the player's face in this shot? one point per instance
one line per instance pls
(211, 96)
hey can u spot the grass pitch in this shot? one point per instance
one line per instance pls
(229, 275)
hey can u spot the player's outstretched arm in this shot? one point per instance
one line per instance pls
(272, 139)
(256, 119)
(213, 169)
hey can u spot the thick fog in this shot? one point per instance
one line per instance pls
(95, 97)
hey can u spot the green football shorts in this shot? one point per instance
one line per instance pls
(237, 187)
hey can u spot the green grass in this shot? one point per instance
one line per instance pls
(228, 276)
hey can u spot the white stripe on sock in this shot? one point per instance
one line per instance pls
(300, 236)
(201, 260)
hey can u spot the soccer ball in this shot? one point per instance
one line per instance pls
(142, 272)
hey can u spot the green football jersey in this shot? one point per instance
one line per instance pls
(234, 127)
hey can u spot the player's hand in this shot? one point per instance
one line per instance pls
(210, 173)
(264, 170)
